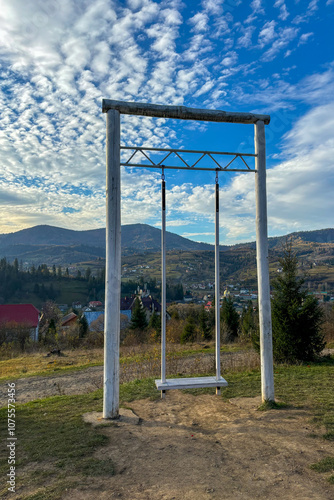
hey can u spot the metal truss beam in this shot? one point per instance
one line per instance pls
(187, 165)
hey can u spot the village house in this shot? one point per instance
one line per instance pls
(148, 303)
(92, 316)
(22, 314)
(95, 304)
(77, 305)
(69, 320)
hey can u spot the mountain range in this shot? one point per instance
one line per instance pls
(55, 245)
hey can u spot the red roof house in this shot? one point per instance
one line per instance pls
(95, 303)
(21, 313)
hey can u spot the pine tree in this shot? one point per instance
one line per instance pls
(296, 316)
(155, 324)
(59, 273)
(204, 326)
(138, 317)
(189, 331)
(229, 317)
(248, 321)
(83, 326)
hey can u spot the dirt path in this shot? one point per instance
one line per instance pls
(76, 382)
(200, 448)
(90, 379)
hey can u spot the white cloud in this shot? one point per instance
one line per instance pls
(304, 38)
(230, 59)
(58, 59)
(299, 189)
(199, 22)
(257, 7)
(284, 14)
(310, 11)
(191, 235)
(246, 39)
(285, 36)
(213, 7)
(267, 34)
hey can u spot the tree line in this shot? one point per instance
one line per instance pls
(297, 319)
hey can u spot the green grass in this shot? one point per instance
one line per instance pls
(272, 405)
(308, 385)
(325, 465)
(56, 447)
(53, 436)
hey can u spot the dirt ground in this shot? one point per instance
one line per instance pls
(199, 447)
(31, 388)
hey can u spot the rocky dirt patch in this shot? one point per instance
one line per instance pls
(200, 447)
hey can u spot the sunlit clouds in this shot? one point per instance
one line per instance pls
(59, 59)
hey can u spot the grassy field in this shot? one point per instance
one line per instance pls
(57, 447)
(38, 363)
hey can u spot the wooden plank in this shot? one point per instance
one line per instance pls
(190, 383)
(182, 112)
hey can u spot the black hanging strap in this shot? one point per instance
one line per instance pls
(163, 190)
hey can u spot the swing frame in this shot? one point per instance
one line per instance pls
(113, 109)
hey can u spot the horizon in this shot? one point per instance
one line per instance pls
(59, 60)
(167, 230)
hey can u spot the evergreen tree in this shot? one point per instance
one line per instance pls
(88, 273)
(83, 326)
(189, 331)
(138, 317)
(296, 316)
(16, 266)
(155, 324)
(229, 317)
(203, 322)
(59, 272)
(248, 321)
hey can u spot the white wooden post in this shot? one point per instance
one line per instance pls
(217, 286)
(267, 371)
(163, 283)
(113, 268)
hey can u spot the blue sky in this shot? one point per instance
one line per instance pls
(59, 58)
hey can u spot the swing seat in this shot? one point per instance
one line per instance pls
(190, 383)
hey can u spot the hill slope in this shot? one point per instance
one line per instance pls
(55, 245)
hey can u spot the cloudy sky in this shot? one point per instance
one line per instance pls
(59, 58)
